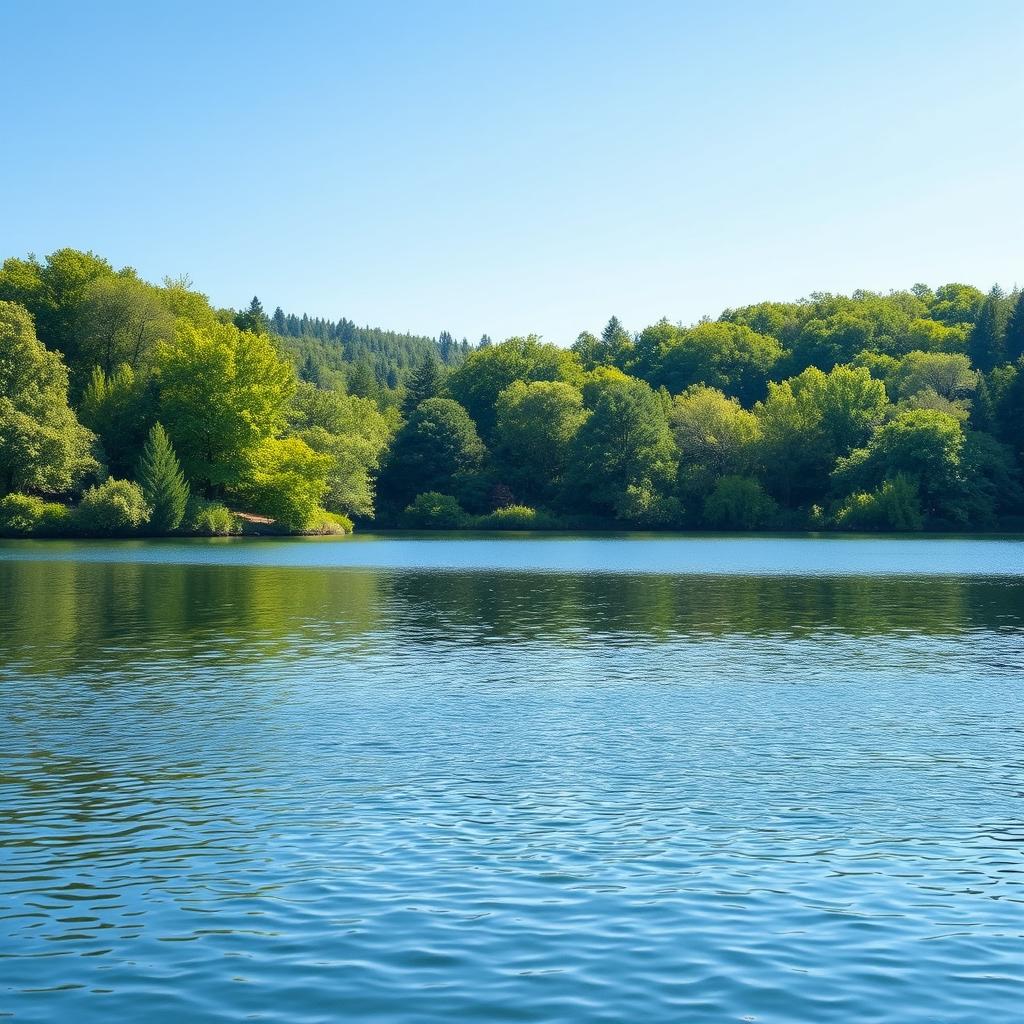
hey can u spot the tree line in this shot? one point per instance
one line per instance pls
(127, 407)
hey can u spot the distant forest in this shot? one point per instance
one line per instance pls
(128, 407)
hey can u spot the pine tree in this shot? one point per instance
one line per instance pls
(162, 481)
(1015, 330)
(253, 319)
(987, 343)
(983, 411)
(425, 382)
(278, 321)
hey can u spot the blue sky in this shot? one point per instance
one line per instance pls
(516, 166)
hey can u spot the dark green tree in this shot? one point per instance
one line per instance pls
(987, 343)
(426, 382)
(162, 481)
(438, 449)
(1015, 330)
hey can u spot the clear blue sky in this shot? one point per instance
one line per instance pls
(515, 166)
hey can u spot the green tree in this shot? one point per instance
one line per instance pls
(809, 421)
(54, 292)
(1015, 329)
(120, 409)
(925, 446)
(427, 381)
(739, 503)
(715, 437)
(43, 447)
(120, 320)
(624, 453)
(253, 319)
(949, 375)
(730, 357)
(223, 392)
(438, 449)
(987, 343)
(486, 372)
(285, 480)
(536, 426)
(354, 433)
(162, 481)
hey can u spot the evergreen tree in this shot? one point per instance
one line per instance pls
(987, 343)
(162, 481)
(425, 383)
(253, 319)
(1015, 330)
(279, 323)
(983, 411)
(485, 341)
(446, 346)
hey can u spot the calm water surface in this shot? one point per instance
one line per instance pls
(549, 780)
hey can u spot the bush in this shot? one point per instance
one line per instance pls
(434, 511)
(210, 519)
(739, 503)
(112, 507)
(516, 517)
(22, 515)
(328, 524)
(894, 506)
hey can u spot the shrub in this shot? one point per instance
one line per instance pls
(739, 503)
(210, 519)
(112, 507)
(22, 515)
(893, 506)
(516, 517)
(434, 511)
(328, 524)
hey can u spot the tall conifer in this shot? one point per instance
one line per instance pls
(162, 481)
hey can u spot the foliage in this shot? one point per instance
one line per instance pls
(536, 425)
(486, 372)
(924, 446)
(438, 447)
(112, 508)
(730, 357)
(120, 408)
(24, 515)
(43, 447)
(893, 506)
(811, 420)
(209, 519)
(354, 433)
(286, 481)
(868, 411)
(223, 392)
(162, 481)
(739, 503)
(625, 443)
(516, 517)
(435, 511)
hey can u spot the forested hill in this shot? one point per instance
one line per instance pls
(130, 407)
(322, 347)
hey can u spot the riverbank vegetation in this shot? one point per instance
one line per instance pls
(133, 408)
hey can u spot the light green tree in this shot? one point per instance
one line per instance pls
(223, 392)
(536, 426)
(43, 447)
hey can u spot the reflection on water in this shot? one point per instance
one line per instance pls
(292, 793)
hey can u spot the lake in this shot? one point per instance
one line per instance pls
(557, 779)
